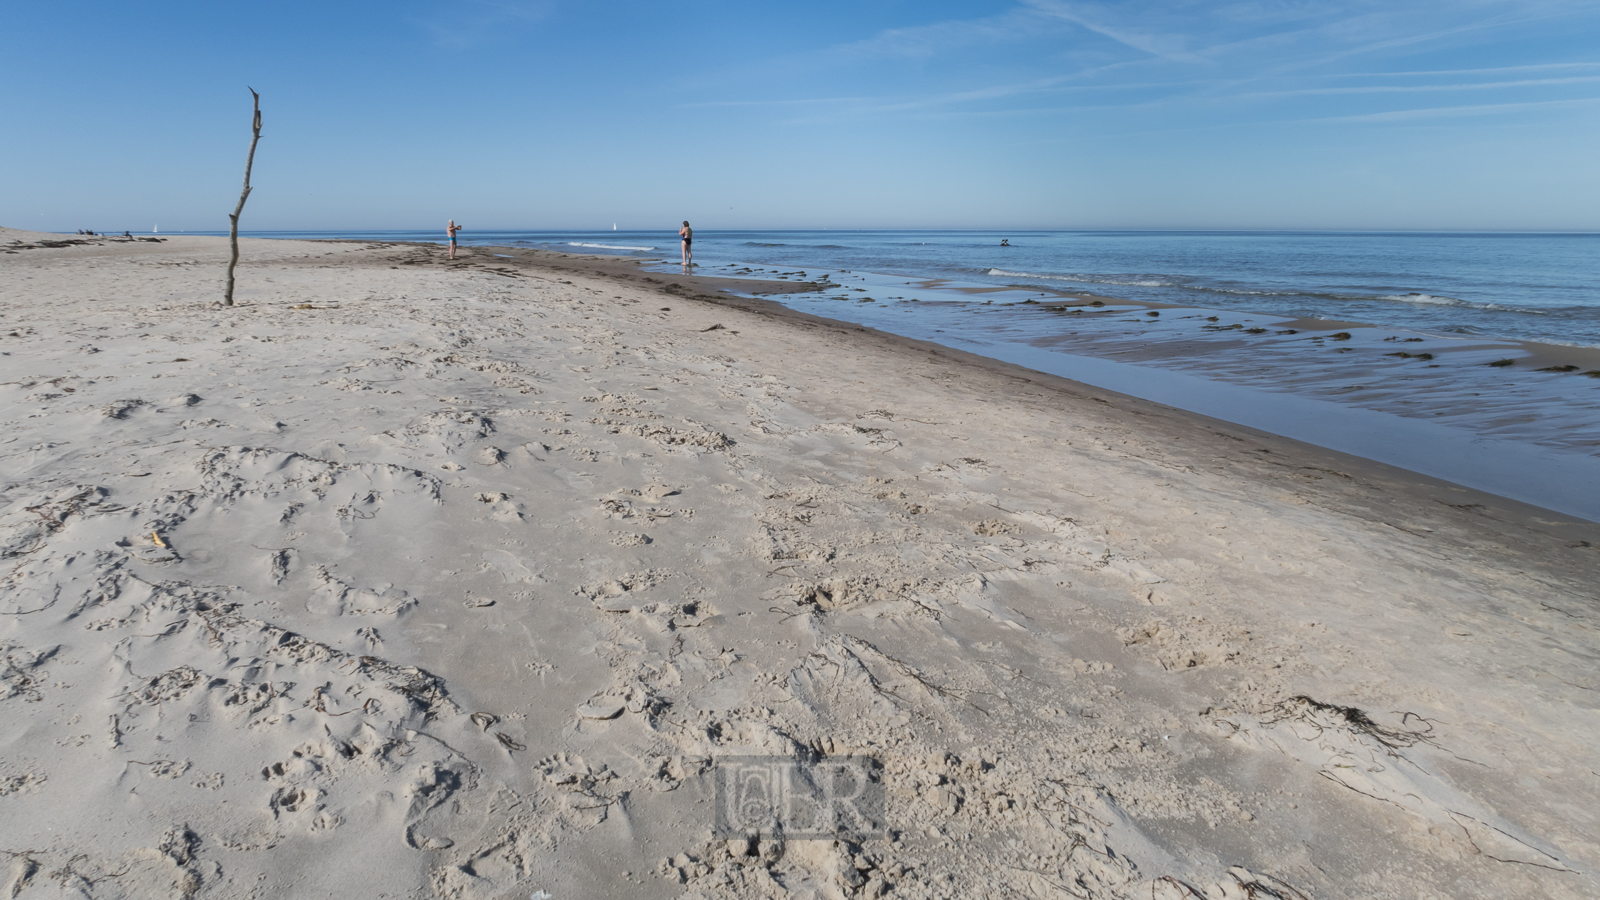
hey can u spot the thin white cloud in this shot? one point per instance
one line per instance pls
(1540, 67)
(1251, 50)
(1398, 32)
(1045, 85)
(1440, 112)
(1166, 46)
(1422, 88)
(1030, 21)
(868, 104)
(941, 37)
(1271, 13)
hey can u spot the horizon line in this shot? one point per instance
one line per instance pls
(210, 232)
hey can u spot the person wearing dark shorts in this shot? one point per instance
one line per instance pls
(451, 230)
(687, 234)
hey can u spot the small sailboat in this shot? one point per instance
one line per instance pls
(155, 229)
(613, 226)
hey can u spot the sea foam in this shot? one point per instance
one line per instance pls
(1084, 279)
(1436, 300)
(605, 246)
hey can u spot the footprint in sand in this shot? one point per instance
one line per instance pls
(602, 708)
(512, 568)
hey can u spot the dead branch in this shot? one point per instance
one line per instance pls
(233, 220)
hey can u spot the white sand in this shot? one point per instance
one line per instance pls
(14, 235)
(305, 602)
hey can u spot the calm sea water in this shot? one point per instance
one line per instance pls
(1540, 287)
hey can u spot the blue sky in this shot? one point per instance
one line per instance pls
(1472, 114)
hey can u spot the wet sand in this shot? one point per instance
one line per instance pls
(411, 578)
(1514, 418)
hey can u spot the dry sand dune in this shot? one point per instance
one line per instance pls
(405, 579)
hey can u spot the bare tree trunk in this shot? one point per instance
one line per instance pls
(233, 220)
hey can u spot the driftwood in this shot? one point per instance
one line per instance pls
(233, 220)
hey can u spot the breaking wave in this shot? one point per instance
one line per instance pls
(1144, 280)
(1433, 300)
(605, 246)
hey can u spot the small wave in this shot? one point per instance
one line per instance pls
(605, 246)
(1432, 300)
(1240, 292)
(1084, 279)
(1428, 299)
(759, 244)
(1568, 344)
(1413, 297)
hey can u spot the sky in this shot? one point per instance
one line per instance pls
(1011, 114)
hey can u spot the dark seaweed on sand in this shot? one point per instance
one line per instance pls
(1391, 738)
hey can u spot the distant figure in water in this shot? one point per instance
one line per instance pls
(687, 234)
(1005, 242)
(451, 230)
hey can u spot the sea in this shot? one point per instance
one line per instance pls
(1470, 357)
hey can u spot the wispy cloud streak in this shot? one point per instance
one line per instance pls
(1540, 67)
(1440, 112)
(1246, 63)
(1165, 46)
(1421, 88)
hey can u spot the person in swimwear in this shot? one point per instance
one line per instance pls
(451, 230)
(687, 234)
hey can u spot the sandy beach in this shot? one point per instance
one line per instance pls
(408, 578)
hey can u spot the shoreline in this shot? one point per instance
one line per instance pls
(1549, 464)
(466, 580)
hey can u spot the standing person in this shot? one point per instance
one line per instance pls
(451, 230)
(687, 234)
